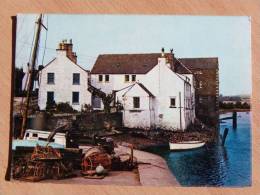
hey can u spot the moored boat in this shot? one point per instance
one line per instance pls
(186, 145)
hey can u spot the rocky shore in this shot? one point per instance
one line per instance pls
(142, 139)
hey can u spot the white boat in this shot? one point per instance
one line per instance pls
(186, 145)
(37, 135)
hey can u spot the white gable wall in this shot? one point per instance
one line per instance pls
(142, 117)
(164, 84)
(63, 68)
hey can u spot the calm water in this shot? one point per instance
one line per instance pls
(215, 165)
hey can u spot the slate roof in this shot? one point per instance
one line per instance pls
(196, 63)
(143, 63)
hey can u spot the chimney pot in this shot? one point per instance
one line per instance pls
(162, 51)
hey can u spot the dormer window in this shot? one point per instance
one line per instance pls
(126, 78)
(133, 78)
(100, 78)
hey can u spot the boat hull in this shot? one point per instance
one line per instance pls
(189, 145)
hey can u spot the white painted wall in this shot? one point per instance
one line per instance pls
(116, 82)
(142, 117)
(63, 87)
(164, 84)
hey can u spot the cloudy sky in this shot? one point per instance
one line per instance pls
(228, 38)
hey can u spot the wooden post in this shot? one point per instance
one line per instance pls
(10, 155)
(224, 136)
(31, 76)
(132, 155)
(234, 120)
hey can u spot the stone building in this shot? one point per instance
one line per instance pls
(206, 74)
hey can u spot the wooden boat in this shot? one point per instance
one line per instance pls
(186, 145)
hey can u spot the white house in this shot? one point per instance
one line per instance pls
(153, 95)
(63, 80)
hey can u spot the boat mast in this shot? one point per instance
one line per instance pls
(31, 75)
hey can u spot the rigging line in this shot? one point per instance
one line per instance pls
(27, 38)
(20, 24)
(81, 55)
(45, 39)
(29, 45)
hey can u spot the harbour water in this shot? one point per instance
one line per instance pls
(215, 165)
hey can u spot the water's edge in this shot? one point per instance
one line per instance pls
(215, 165)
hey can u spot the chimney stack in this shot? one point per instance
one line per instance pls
(171, 59)
(68, 47)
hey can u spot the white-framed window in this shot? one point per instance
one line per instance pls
(136, 102)
(200, 84)
(100, 78)
(50, 96)
(107, 78)
(127, 78)
(172, 102)
(75, 97)
(133, 78)
(76, 79)
(50, 78)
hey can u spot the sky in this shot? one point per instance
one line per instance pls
(225, 37)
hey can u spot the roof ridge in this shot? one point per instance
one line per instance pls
(200, 58)
(129, 54)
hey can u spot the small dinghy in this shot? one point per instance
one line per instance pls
(186, 145)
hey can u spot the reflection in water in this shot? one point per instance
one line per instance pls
(215, 165)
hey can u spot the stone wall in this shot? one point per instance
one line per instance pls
(86, 121)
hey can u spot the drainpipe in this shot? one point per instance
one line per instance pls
(149, 110)
(180, 110)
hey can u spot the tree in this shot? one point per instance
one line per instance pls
(18, 81)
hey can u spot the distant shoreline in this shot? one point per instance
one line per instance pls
(223, 111)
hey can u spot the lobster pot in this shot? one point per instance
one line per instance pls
(90, 162)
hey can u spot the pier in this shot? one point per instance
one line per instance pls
(233, 117)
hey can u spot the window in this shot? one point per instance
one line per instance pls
(50, 96)
(200, 84)
(173, 102)
(96, 102)
(136, 102)
(133, 78)
(106, 78)
(76, 79)
(50, 78)
(126, 78)
(34, 135)
(75, 97)
(100, 78)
